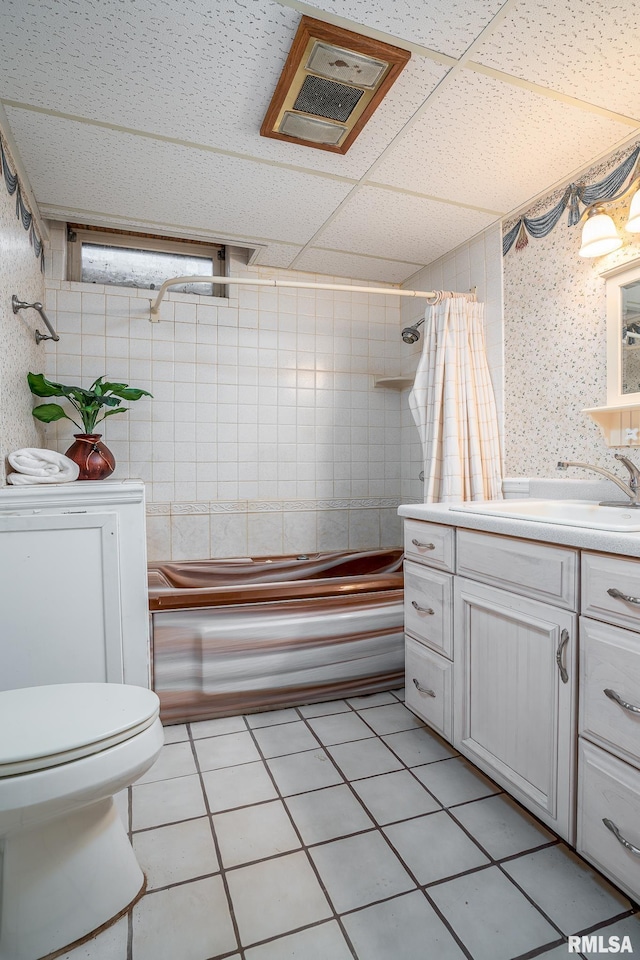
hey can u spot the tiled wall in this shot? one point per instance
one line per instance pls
(473, 264)
(555, 344)
(20, 274)
(266, 433)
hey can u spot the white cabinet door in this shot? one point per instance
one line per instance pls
(60, 613)
(515, 695)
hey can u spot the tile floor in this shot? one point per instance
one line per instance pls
(343, 830)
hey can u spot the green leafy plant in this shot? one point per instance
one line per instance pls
(102, 397)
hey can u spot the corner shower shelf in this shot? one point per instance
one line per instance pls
(620, 425)
(393, 383)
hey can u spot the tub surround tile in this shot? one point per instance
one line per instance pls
(408, 923)
(327, 814)
(394, 796)
(161, 919)
(276, 896)
(175, 853)
(501, 826)
(360, 870)
(572, 895)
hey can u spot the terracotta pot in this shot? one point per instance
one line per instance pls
(94, 459)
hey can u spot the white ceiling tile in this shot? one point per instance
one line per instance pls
(448, 26)
(180, 71)
(97, 169)
(278, 255)
(493, 145)
(337, 264)
(589, 50)
(383, 223)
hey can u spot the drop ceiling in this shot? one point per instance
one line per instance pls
(146, 115)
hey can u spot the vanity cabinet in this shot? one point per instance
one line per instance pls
(608, 825)
(497, 679)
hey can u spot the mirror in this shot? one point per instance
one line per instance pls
(623, 335)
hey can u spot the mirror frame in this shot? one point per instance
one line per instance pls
(615, 279)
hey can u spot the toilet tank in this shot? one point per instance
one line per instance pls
(73, 584)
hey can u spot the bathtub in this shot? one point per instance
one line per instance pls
(242, 635)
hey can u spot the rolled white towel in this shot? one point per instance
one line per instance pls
(41, 466)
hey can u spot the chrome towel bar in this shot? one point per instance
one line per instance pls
(21, 305)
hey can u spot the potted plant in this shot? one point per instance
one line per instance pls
(92, 406)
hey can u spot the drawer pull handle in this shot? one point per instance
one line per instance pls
(416, 606)
(564, 640)
(619, 595)
(431, 546)
(610, 825)
(623, 703)
(421, 689)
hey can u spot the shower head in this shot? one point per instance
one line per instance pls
(412, 334)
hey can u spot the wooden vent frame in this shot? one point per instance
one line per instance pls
(295, 72)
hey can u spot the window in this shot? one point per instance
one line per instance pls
(143, 261)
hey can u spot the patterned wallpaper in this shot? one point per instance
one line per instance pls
(20, 274)
(555, 344)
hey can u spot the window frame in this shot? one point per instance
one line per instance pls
(139, 241)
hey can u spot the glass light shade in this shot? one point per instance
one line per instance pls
(599, 235)
(633, 223)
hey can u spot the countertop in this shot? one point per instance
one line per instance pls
(604, 541)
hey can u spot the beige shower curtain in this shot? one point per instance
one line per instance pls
(453, 405)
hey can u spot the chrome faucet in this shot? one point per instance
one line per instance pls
(631, 489)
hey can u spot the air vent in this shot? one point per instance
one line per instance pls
(335, 75)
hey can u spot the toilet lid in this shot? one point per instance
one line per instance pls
(46, 726)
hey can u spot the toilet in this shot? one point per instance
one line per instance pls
(67, 865)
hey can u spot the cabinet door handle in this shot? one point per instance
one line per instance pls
(430, 546)
(564, 640)
(416, 606)
(421, 689)
(619, 595)
(610, 825)
(623, 703)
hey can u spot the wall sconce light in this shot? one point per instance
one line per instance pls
(599, 233)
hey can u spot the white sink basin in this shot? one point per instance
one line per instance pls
(572, 513)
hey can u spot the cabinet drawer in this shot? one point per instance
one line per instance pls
(428, 606)
(532, 569)
(430, 543)
(609, 789)
(610, 660)
(602, 573)
(429, 687)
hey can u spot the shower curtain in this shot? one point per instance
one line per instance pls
(453, 406)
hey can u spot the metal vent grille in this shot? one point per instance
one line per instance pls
(315, 131)
(345, 66)
(326, 98)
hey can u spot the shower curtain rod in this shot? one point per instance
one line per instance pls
(383, 291)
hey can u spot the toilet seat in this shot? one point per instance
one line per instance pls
(51, 725)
